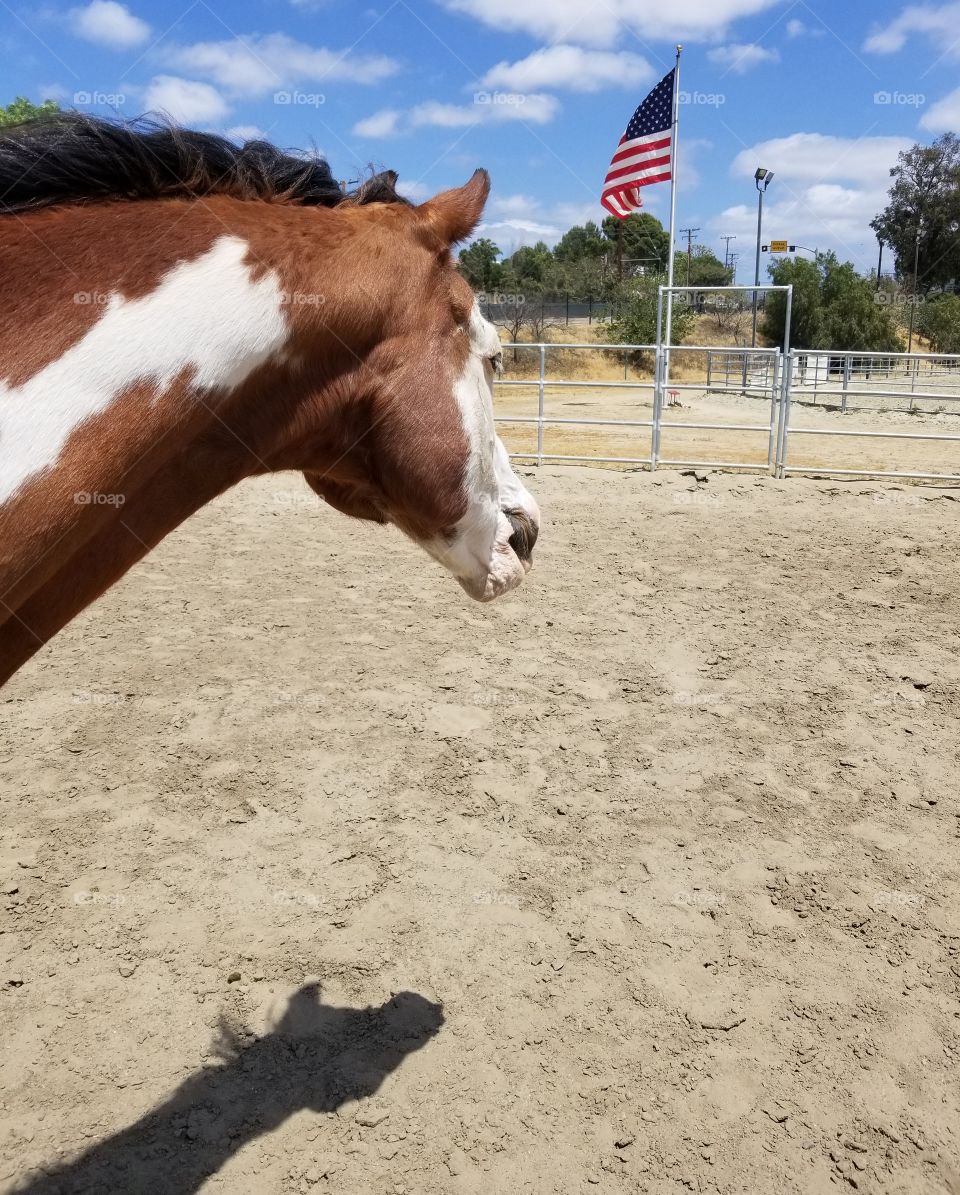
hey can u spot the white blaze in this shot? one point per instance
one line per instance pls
(207, 316)
(480, 555)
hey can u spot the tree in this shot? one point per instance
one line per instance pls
(646, 243)
(706, 269)
(635, 321)
(530, 266)
(852, 317)
(22, 109)
(581, 241)
(833, 308)
(939, 322)
(480, 265)
(925, 195)
(807, 314)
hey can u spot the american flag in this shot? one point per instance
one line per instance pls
(644, 155)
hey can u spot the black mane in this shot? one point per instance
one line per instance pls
(70, 157)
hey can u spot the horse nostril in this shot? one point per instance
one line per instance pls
(524, 533)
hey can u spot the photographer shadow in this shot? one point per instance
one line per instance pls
(316, 1058)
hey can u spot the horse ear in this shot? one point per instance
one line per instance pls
(454, 214)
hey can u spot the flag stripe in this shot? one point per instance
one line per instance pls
(641, 169)
(640, 145)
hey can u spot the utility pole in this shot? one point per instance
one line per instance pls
(688, 233)
(726, 251)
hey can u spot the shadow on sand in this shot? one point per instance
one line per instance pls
(316, 1058)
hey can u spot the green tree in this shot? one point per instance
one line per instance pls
(530, 265)
(706, 269)
(23, 109)
(833, 307)
(852, 317)
(581, 241)
(939, 322)
(925, 194)
(590, 277)
(636, 318)
(480, 264)
(646, 242)
(807, 314)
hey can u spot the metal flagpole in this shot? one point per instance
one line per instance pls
(665, 346)
(675, 146)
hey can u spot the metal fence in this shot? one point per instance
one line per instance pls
(786, 390)
(509, 310)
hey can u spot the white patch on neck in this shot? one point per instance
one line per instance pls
(207, 316)
(480, 555)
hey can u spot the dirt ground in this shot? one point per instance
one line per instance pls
(318, 877)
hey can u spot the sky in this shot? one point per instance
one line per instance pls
(825, 94)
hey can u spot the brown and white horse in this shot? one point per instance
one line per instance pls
(178, 313)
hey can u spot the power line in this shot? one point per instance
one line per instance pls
(688, 233)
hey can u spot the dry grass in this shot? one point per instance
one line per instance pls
(613, 365)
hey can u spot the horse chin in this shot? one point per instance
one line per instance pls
(505, 572)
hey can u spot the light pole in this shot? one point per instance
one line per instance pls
(763, 179)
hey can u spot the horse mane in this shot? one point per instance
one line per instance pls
(71, 157)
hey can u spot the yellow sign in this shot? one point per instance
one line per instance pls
(778, 246)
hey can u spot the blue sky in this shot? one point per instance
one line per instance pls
(538, 91)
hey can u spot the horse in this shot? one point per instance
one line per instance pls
(179, 313)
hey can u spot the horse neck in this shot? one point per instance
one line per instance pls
(119, 413)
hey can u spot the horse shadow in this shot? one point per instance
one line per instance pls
(316, 1058)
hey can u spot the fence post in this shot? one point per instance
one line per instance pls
(568, 309)
(847, 362)
(774, 407)
(589, 309)
(658, 371)
(540, 402)
(786, 382)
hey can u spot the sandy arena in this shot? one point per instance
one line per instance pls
(672, 835)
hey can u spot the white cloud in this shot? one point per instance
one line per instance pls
(534, 109)
(380, 124)
(797, 28)
(245, 132)
(258, 64)
(813, 157)
(487, 108)
(570, 67)
(414, 190)
(515, 220)
(826, 191)
(824, 216)
(944, 115)
(185, 100)
(940, 23)
(109, 24)
(741, 58)
(572, 21)
(526, 229)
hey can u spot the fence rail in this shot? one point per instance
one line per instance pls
(786, 385)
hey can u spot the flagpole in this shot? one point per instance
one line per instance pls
(675, 147)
